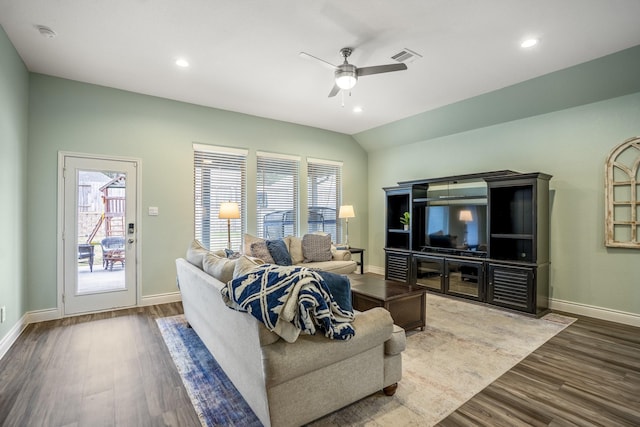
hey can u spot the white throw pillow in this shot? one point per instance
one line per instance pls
(248, 241)
(245, 265)
(195, 253)
(220, 268)
(295, 249)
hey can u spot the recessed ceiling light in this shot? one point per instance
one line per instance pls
(182, 63)
(529, 43)
(357, 109)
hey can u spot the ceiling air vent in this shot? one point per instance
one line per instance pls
(406, 56)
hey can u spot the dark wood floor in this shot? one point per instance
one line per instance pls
(587, 375)
(107, 369)
(114, 369)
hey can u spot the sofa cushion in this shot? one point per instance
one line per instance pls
(244, 265)
(340, 288)
(295, 249)
(279, 253)
(196, 253)
(316, 247)
(260, 250)
(339, 267)
(283, 361)
(220, 268)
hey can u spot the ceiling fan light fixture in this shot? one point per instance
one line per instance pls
(346, 82)
(346, 77)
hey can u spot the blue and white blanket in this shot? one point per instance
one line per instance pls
(289, 301)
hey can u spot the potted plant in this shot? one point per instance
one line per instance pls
(405, 220)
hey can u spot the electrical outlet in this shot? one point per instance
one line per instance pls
(3, 314)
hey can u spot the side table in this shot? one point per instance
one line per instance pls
(361, 252)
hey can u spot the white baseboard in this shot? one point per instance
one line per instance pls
(7, 341)
(161, 298)
(43, 315)
(374, 269)
(602, 313)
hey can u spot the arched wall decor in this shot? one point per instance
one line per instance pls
(622, 194)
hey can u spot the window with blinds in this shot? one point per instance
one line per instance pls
(324, 188)
(219, 176)
(277, 195)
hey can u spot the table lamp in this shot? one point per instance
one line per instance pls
(229, 211)
(346, 212)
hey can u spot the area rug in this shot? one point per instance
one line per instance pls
(464, 348)
(215, 399)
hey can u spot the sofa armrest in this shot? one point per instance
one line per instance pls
(397, 343)
(341, 255)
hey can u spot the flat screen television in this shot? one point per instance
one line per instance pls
(457, 225)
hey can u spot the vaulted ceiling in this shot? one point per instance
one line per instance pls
(243, 55)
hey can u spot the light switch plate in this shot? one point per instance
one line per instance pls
(153, 211)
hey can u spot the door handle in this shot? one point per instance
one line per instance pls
(131, 240)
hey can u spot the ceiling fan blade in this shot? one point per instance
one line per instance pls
(325, 63)
(377, 69)
(334, 91)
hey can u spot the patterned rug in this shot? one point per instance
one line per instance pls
(215, 399)
(464, 348)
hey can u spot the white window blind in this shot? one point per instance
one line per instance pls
(219, 176)
(324, 192)
(277, 195)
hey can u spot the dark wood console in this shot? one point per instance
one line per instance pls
(481, 236)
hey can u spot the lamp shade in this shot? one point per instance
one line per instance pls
(346, 211)
(465, 215)
(229, 210)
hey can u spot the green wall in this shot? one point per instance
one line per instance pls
(14, 95)
(76, 117)
(571, 145)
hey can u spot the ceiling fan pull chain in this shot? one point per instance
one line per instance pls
(342, 92)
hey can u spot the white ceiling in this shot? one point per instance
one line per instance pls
(244, 53)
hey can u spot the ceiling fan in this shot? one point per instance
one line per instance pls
(346, 75)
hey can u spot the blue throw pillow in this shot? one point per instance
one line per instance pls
(340, 288)
(279, 252)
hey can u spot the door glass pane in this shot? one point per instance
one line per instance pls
(101, 231)
(428, 273)
(464, 278)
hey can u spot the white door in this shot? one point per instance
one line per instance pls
(99, 234)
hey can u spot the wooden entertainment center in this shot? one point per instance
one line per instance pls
(481, 236)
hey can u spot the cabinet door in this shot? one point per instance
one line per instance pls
(511, 286)
(429, 271)
(397, 266)
(464, 278)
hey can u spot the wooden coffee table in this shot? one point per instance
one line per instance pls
(406, 303)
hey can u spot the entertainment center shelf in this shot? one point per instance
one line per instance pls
(481, 236)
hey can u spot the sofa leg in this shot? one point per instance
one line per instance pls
(391, 389)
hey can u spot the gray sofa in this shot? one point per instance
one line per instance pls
(290, 384)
